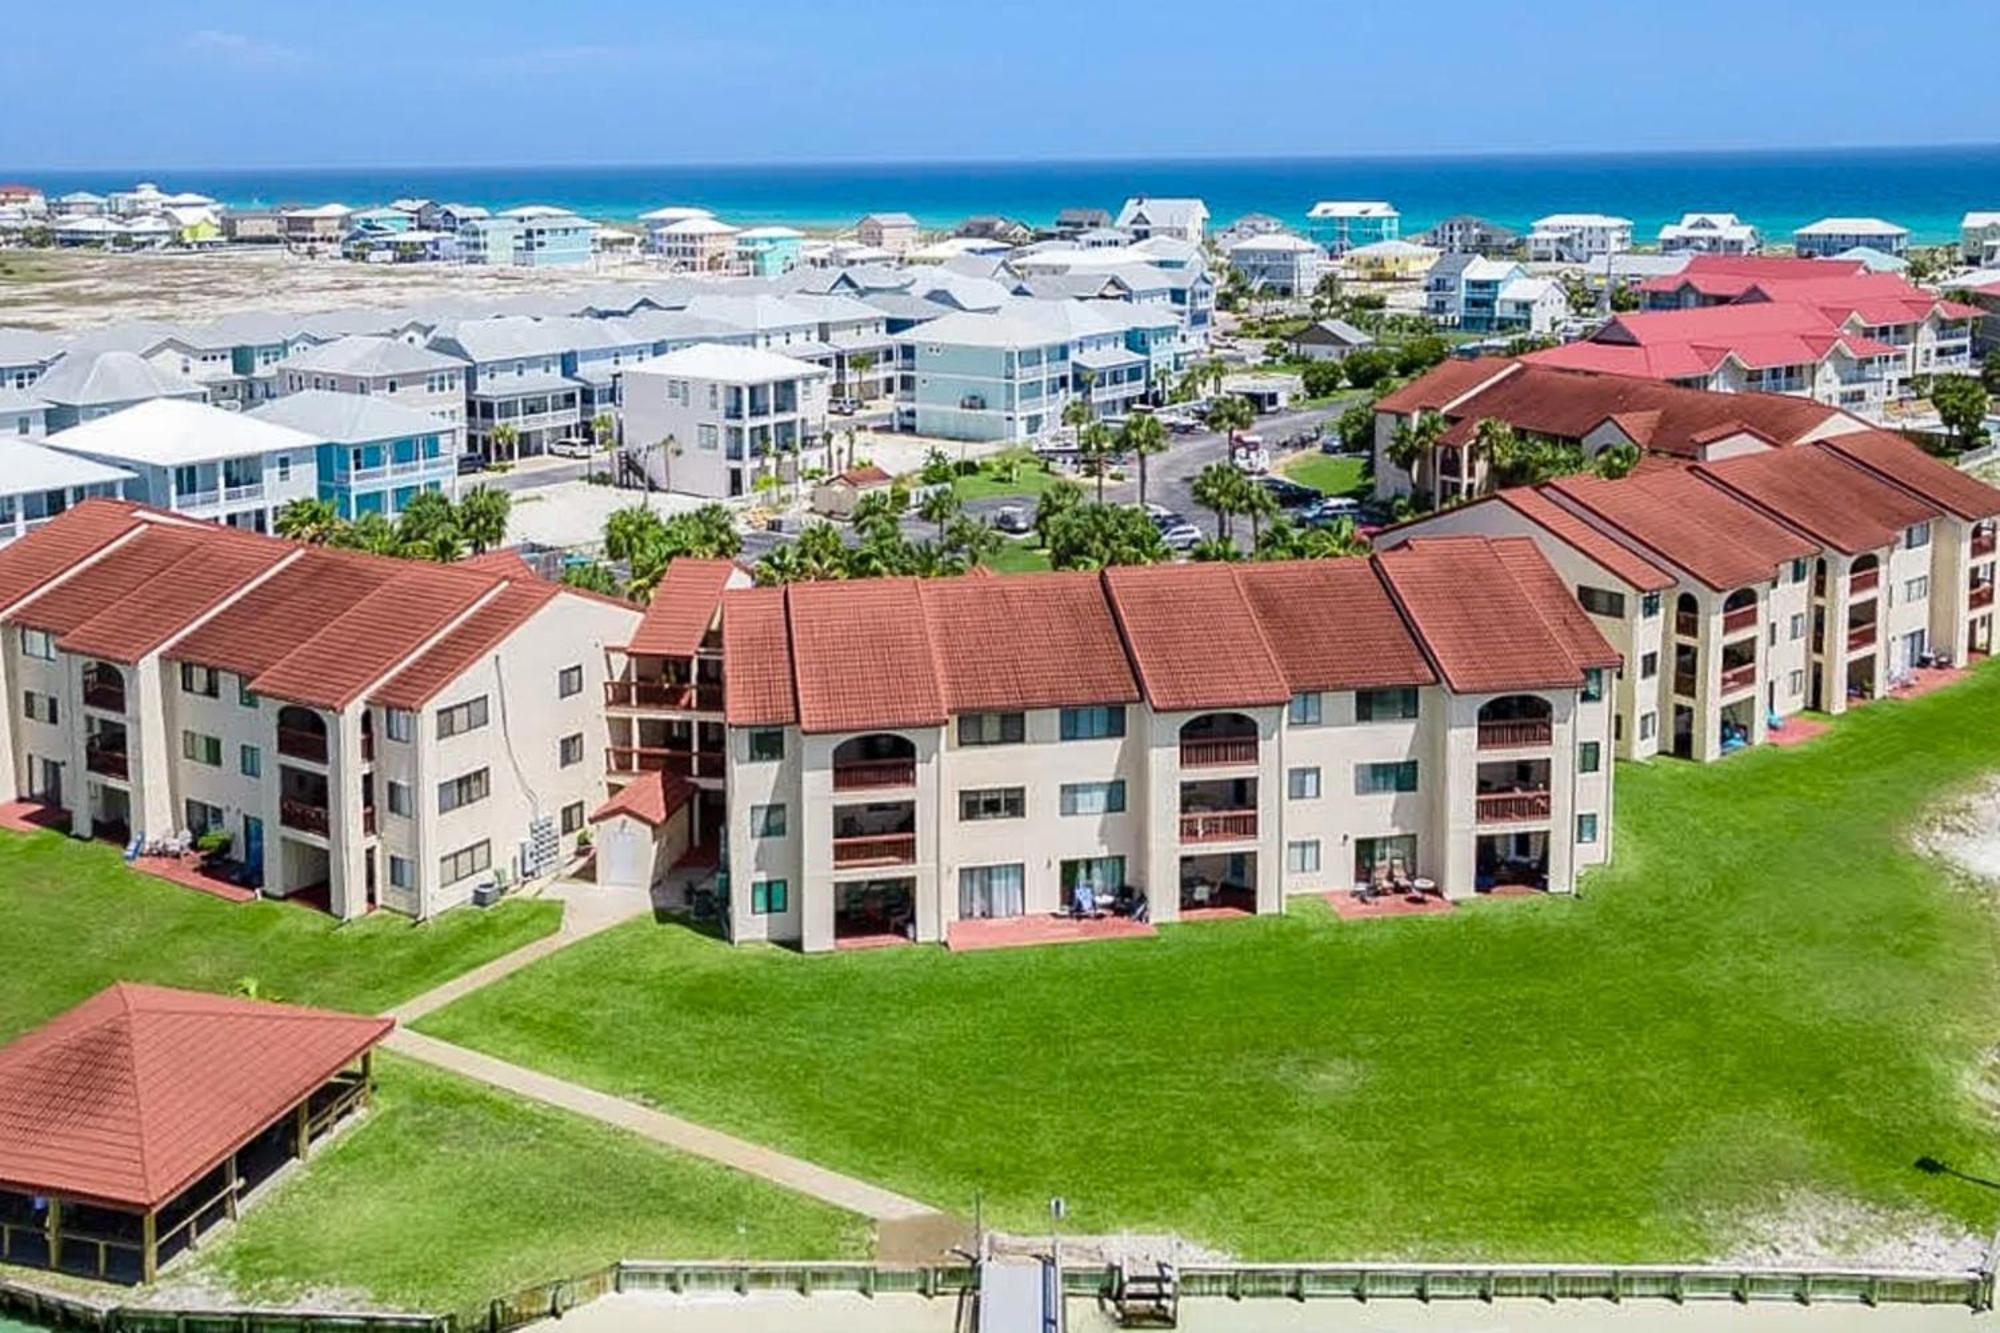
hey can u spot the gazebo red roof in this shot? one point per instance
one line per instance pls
(140, 1091)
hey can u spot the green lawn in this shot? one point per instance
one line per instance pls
(76, 919)
(1011, 472)
(450, 1194)
(1330, 474)
(1768, 993)
(1022, 557)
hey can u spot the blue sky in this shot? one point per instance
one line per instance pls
(122, 83)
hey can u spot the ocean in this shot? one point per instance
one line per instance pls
(1924, 189)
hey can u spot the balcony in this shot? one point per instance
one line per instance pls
(107, 761)
(1687, 624)
(1861, 637)
(1740, 621)
(303, 816)
(667, 695)
(104, 695)
(628, 760)
(1515, 735)
(1219, 826)
(874, 774)
(207, 499)
(876, 849)
(1980, 598)
(1504, 807)
(1737, 679)
(1864, 581)
(300, 743)
(1220, 753)
(1984, 544)
(1684, 684)
(252, 490)
(368, 821)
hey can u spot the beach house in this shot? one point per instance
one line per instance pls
(1710, 234)
(83, 385)
(895, 233)
(1481, 295)
(1279, 263)
(375, 365)
(520, 393)
(1340, 225)
(373, 455)
(697, 244)
(723, 421)
(1145, 218)
(1463, 233)
(1578, 238)
(37, 484)
(1833, 236)
(532, 236)
(24, 355)
(1979, 239)
(765, 252)
(321, 226)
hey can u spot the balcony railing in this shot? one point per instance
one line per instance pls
(1741, 619)
(106, 696)
(207, 499)
(1513, 735)
(299, 743)
(1687, 624)
(875, 774)
(368, 820)
(1219, 826)
(1860, 637)
(876, 849)
(1980, 598)
(105, 761)
(663, 694)
(1984, 544)
(1219, 753)
(302, 815)
(251, 490)
(1740, 678)
(1500, 807)
(630, 759)
(1864, 580)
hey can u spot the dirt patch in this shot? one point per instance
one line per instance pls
(1965, 834)
(1808, 1228)
(1134, 1248)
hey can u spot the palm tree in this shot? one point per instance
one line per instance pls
(482, 517)
(973, 538)
(1258, 503)
(1094, 444)
(1214, 550)
(780, 564)
(821, 553)
(1413, 441)
(308, 520)
(427, 519)
(940, 507)
(848, 436)
(602, 429)
(1230, 415)
(1217, 488)
(591, 576)
(858, 367)
(372, 532)
(1142, 435)
(629, 528)
(501, 442)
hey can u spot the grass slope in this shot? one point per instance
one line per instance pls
(1768, 992)
(451, 1194)
(1329, 473)
(75, 919)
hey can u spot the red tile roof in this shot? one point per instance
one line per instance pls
(683, 607)
(862, 655)
(649, 798)
(865, 476)
(1490, 615)
(30, 562)
(1193, 637)
(1815, 491)
(1333, 626)
(154, 611)
(355, 649)
(464, 644)
(1895, 458)
(1616, 558)
(268, 623)
(138, 1092)
(106, 581)
(1671, 515)
(1442, 383)
(1729, 276)
(1020, 641)
(1692, 343)
(757, 653)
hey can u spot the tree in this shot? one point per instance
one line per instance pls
(603, 428)
(858, 366)
(780, 564)
(1286, 539)
(1420, 354)
(1056, 499)
(374, 533)
(1369, 366)
(974, 540)
(429, 524)
(1095, 445)
(1615, 460)
(941, 506)
(937, 469)
(1322, 378)
(1214, 550)
(847, 438)
(1514, 459)
(1257, 504)
(1142, 436)
(1356, 426)
(1230, 415)
(1962, 403)
(821, 553)
(591, 576)
(1413, 440)
(308, 520)
(1097, 536)
(628, 529)
(501, 441)
(1218, 488)
(887, 503)
(1624, 299)
(482, 516)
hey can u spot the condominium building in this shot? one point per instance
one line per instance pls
(367, 732)
(532, 236)
(1578, 238)
(712, 420)
(902, 756)
(1348, 224)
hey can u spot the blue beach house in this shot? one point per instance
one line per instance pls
(374, 455)
(766, 252)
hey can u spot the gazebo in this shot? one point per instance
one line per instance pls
(139, 1119)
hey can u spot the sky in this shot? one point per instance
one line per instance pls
(216, 83)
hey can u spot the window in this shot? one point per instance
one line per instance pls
(198, 680)
(202, 817)
(468, 716)
(402, 873)
(1649, 666)
(1302, 784)
(569, 681)
(1649, 606)
(1593, 685)
(768, 896)
(992, 728)
(1917, 535)
(201, 749)
(1302, 858)
(1089, 724)
(38, 644)
(1798, 628)
(1385, 705)
(39, 707)
(1305, 710)
(400, 724)
(1093, 798)
(572, 817)
(1796, 682)
(978, 803)
(1372, 779)
(465, 862)
(1602, 602)
(767, 745)
(1917, 588)
(250, 761)
(400, 803)
(1649, 726)
(1589, 757)
(1774, 634)
(1799, 568)
(992, 891)
(1586, 828)
(767, 821)
(465, 789)
(244, 694)
(569, 751)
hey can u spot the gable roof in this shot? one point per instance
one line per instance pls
(465, 643)
(167, 432)
(1671, 513)
(1617, 559)
(1894, 458)
(1331, 625)
(1194, 640)
(83, 378)
(138, 1092)
(649, 798)
(1444, 382)
(1844, 507)
(865, 657)
(684, 605)
(348, 418)
(29, 562)
(1019, 641)
(352, 651)
(268, 623)
(756, 645)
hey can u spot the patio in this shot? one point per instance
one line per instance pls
(1018, 932)
(1351, 906)
(190, 872)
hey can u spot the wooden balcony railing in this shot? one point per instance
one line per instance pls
(106, 696)
(299, 743)
(302, 815)
(1219, 826)
(1860, 637)
(1984, 544)
(1516, 733)
(1981, 597)
(1236, 750)
(876, 849)
(106, 761)
(1741, 619)
(663, 694)
(1737, 679)
(1500, 807)
(1864, 581)
(630, 759)
(875, 774)
(1687, 624)
(1684, 684)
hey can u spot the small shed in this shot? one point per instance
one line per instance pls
(140, 1119)
(1328, 340)
(837, 495)
(643, 830)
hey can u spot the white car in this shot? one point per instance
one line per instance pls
(571, 447)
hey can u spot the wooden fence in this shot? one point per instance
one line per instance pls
(60, 1311)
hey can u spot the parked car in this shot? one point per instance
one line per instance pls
(469, 464)
(1288, 493)
(569, 446)
(1182, 536)
(1249, 455)
(844, 407)
(1014, 519)
(1332, 509)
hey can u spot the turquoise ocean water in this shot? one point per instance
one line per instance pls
(1924, 189)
